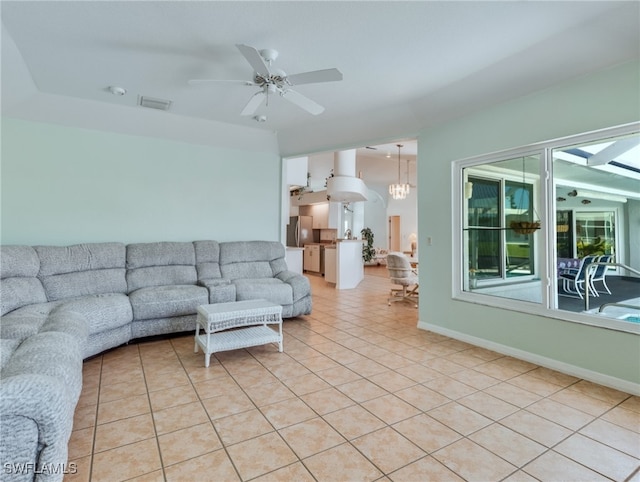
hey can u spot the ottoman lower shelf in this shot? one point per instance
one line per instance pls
(238, 338)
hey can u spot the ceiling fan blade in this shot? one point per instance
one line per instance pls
(253, 104)
(327, 75)
(255, 59)
(209, 81)
(303, 102)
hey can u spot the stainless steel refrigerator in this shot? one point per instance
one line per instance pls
(299, 231)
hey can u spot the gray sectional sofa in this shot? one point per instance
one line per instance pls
(61, 305)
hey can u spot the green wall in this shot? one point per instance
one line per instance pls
(64, 185)
(605, 99)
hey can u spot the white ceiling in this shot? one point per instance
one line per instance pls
(406, 65)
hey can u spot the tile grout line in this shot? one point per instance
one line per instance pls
(201, 401)
(350, 326)
(497, 421)
(155, 429)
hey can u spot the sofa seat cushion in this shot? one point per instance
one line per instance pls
(102, 312)
(41, 382)
(26, 321)
(7, 347)
(71, 322)
(165, 301)
(271, 289)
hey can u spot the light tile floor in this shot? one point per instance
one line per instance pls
(359, 394)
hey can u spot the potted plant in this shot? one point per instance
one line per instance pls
(368, 251)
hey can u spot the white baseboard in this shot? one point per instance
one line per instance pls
(576, 371)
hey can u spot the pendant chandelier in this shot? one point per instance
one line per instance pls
(399, 190)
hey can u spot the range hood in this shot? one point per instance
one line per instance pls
(344, 186)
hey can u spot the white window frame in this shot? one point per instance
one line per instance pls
(502, 178)
(546, 238)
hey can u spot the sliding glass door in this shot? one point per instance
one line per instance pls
(499, 234)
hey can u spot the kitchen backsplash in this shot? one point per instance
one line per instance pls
(328, 235)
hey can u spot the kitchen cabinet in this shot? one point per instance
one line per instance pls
(320, 213)
(325, 215)
(309, 198)
(312, 258)
(330, 264)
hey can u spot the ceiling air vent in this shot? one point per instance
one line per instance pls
(151, 103)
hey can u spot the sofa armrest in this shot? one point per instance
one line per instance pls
(221, 290)
(299, 284)
(214, 282)
(41, 384)
(37, 419)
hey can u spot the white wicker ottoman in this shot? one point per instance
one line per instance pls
(250, 320)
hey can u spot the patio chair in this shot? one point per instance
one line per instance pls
(401, 273)
(573, 279)
(600, 273)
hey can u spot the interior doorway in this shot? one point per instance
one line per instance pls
(394, 233)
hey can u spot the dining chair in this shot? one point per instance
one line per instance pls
(401, 273)
(573, 280)
(600, 273)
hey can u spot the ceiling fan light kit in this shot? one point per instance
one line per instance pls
(269, 55)
(276, 81)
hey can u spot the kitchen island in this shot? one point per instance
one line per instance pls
(343, 263)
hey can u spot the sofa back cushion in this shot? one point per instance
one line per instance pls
(207, 259)
(160, 264)
(82, 269)
(19, 285)
(251, 259)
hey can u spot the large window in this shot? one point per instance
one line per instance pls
(499, 235)
(529, 215)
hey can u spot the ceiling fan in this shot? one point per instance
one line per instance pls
(274, 81)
